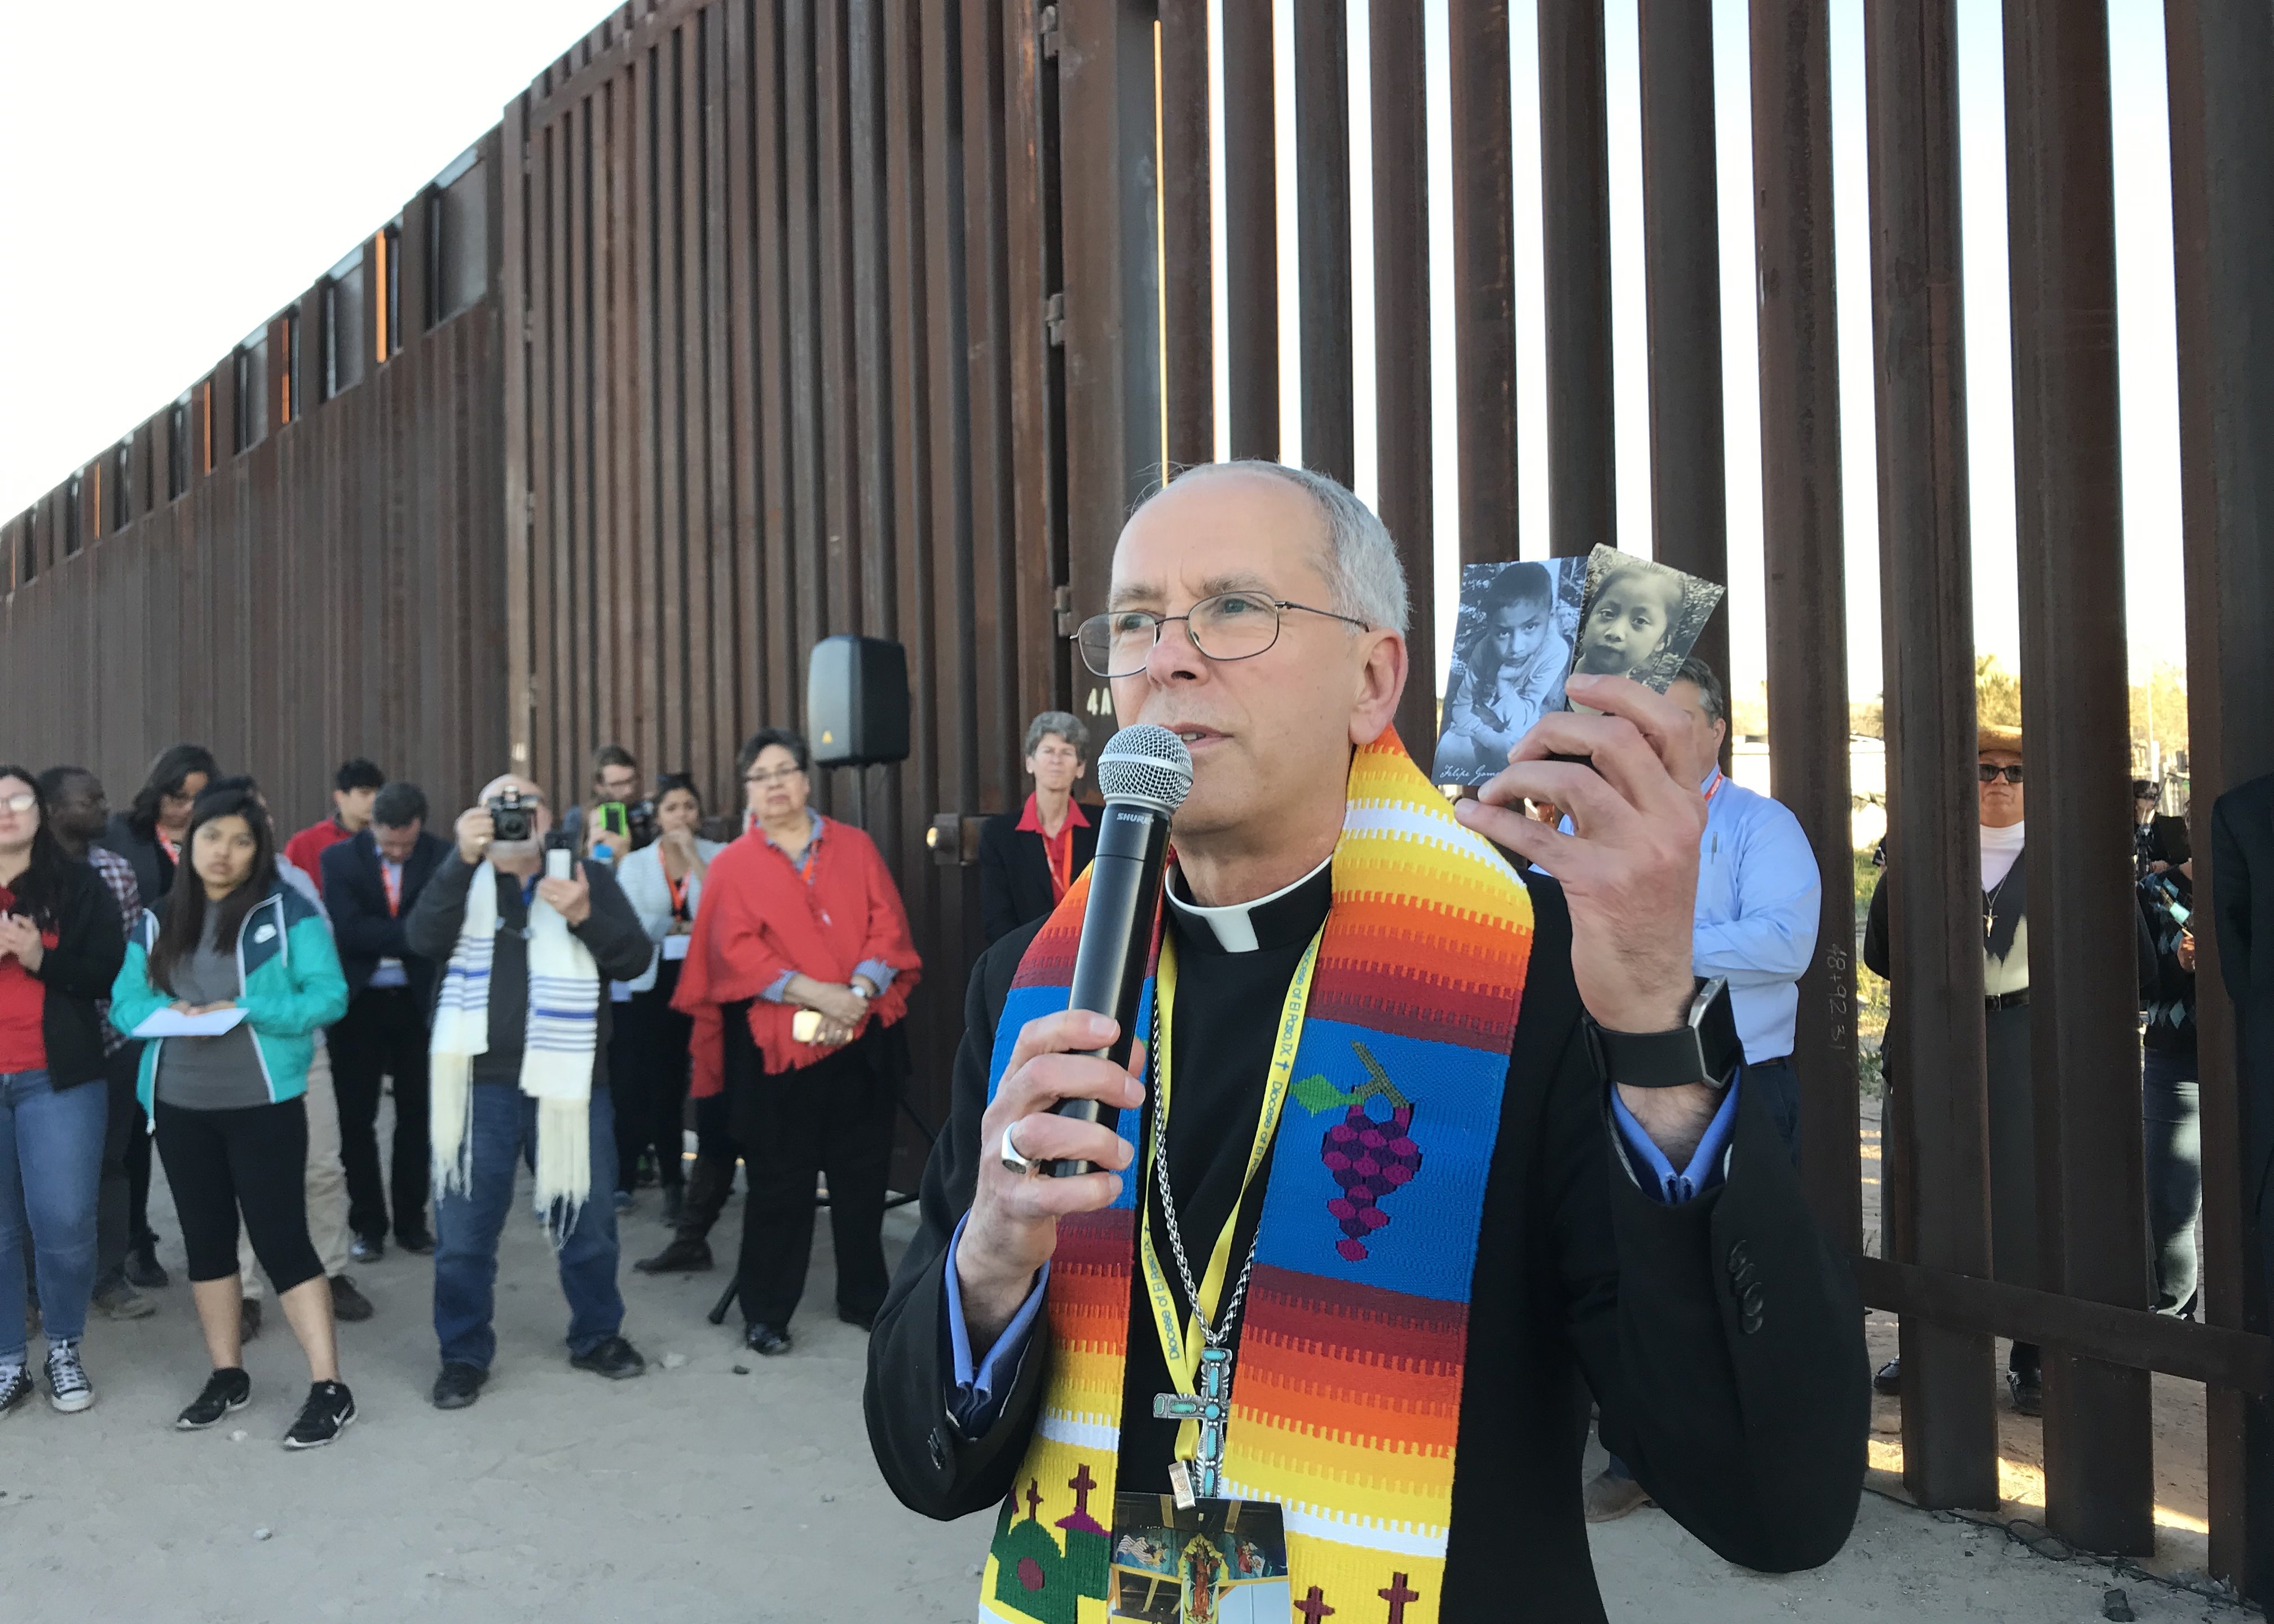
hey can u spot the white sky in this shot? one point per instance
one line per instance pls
(160, 209)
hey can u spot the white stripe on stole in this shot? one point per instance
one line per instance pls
(1392, 820)
(1339, 1528)
(1080, 1432)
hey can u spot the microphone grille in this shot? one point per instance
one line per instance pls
(1147, 764)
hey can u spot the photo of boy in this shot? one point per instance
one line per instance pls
(1511, 650)
(1641, 617)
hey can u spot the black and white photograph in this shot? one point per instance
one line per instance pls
(1512, 646)
(1641, 619)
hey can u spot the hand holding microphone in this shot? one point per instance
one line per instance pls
(1070, 1073)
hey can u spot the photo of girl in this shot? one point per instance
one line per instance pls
(1641, 619)
(1510, 652)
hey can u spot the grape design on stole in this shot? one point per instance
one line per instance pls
(1371, 1157)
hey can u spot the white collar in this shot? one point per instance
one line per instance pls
(1233, 924)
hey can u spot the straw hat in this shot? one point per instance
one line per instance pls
(1995, 737)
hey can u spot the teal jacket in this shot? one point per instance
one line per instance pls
(293, 990)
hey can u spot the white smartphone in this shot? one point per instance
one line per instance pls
(560, 864)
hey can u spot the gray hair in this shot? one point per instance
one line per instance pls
(1065, 724)
(1700, 675)
(1364, 579)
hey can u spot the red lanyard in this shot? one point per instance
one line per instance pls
(1714, 788)
(678, 895)
(391, 877)
(173, 852)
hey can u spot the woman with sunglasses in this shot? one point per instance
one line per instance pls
(2006, 1031)
(229, 1106)
(60, 946)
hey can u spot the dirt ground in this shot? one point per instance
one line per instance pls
(693, 1493)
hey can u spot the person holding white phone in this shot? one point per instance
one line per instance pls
(528, 933)
(648, 1055)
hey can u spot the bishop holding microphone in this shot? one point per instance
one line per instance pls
(1284, 1281)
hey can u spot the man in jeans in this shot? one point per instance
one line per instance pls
(77, 814)
(372, 882)
(521, 1031)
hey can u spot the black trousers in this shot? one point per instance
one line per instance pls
(835, 1115)
(648, 1073)
(253, 1160)
(713, 1181)
(139, 1232)
(382, 1035)
(123, 1132)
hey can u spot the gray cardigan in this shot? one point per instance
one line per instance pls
(641, 877)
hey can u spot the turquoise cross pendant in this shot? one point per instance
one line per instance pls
(1211, 1407)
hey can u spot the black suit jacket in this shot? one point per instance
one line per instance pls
(355, 894)
(1015, 871)
(2242, 905)
(1752, 1440)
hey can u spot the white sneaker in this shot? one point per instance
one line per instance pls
(68, 1388)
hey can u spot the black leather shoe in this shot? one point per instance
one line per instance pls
(458, 1386)
(615, 1358)
(368, 1248)
(418, 1242)
(2029, 1391)
(144, 1272)
(1889, 1380)
(685, 1255)
(349, 1303)
(766, 1340)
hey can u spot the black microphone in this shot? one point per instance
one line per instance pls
(1145, 772)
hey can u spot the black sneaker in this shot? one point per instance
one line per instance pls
(368, 1248)
(349, 1303)
(225, 1390)
(419, 1243)
(329, 1408)
(684, 1255)
(144, 1272)
(458, 1386)
(15, 1388)
(68, 1388)
(615, 1358)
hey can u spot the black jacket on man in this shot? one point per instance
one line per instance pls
(2242, 905)
(1722, 1337)
(355, 894)
(1015, 871)
(78, 969)
(154, 870)
(611, 933)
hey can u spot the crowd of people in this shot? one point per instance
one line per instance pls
(181, 977)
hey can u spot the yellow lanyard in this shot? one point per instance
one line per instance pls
(1181, 1345)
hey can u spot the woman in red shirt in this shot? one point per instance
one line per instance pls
(797, 973)
(60, 946)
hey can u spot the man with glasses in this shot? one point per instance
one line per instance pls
(2006, 1034)
(1377, 1185)
(518, 1068)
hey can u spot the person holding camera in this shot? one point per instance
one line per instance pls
(620, 819)
(517, 1063)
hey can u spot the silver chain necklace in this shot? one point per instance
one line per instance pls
(1212, 1335)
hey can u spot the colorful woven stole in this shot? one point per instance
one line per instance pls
(1346, 1391)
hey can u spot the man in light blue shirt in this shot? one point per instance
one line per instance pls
(1760, 897)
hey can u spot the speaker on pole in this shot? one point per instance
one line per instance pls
(856, 701)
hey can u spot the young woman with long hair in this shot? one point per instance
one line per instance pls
(227, 1107)
(60, 946)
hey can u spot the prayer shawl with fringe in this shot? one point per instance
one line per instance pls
(1346, 1390)
(556, 1051)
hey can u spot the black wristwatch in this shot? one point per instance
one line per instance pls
(1705, 1048)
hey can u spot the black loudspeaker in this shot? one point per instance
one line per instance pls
(856, 701)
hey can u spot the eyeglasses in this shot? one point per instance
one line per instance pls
(20, 803)
(781, 775)
(1991, 775)
(1230, 625)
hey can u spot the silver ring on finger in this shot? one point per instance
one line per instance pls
(1013, 1158)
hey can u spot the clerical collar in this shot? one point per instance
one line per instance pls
(1289, 916)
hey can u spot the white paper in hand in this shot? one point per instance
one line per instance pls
(171, 1023)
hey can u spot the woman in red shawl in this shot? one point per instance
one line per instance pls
(797, 973)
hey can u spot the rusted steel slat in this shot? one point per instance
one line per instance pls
(1484, 280)
(1575, 200)
(1323, 234)
(1250, 227)
(1187, 232)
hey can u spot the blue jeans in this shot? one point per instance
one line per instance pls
(467, 1224)
(50, 1172)
(2170, 1113)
